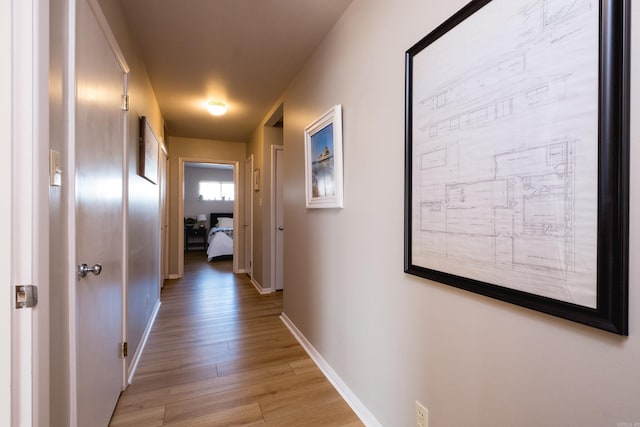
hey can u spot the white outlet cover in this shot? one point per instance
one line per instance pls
(422, 415)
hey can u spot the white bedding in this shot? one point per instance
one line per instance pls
(220, 242)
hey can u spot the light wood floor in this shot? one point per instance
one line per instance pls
(219, 355)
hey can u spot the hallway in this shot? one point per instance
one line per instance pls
(219, 355)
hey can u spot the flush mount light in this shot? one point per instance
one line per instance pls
(217, 108)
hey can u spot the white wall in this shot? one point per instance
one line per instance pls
(193, 206)
(395, 338)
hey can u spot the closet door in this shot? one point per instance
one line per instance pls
(99, 230)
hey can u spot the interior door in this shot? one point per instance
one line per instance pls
(279, 185)
(99, 165)
(248, 216)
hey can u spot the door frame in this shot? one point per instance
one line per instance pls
(274, 202)
(179, 224)
(25, 50)
(6, 293)
(163, 183)
(248, 212)
(70, 182)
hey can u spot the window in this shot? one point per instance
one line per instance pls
(216, 190)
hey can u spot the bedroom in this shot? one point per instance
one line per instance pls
(209, 196)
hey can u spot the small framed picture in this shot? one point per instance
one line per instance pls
(323, 160)
(148, 152)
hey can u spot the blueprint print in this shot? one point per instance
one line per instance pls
(505, 149)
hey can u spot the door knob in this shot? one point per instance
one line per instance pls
(84, 269)
(281, 228)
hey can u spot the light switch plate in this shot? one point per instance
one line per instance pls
(55, 169)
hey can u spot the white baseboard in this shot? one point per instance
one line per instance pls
(136, 357)
(259, 288)
(349, 396)
(175, 276)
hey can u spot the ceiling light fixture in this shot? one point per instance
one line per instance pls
(217, 108)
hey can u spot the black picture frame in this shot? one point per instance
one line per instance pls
(434, 110)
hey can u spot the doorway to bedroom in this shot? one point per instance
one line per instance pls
(208, 206)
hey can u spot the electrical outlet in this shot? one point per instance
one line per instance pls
(422, 415)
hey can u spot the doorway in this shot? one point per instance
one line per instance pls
(247, 222)
(277, 159)
(196, 175)
(274, 137)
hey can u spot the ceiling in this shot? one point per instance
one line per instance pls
(241, 52)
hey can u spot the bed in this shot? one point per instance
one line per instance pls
(220, 238)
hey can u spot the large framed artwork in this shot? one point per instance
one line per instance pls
(517, 148)
(323, 160)
(148, 152)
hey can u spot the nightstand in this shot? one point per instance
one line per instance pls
(195, 239)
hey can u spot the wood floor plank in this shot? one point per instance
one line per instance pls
(149, 417)
(219, 355)
(244, 415)
(131, 402)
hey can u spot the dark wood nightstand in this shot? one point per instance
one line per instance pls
(195, 239)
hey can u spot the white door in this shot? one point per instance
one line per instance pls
(279, 222)
(100, 83)
(248, 215)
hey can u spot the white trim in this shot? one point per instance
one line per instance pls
(143, 342)
(6, 258)
(23, 144)
(349, 396)
(180, 219)
(28, 59)
(70, 182)
(41, 270)
(259, 288)
(174, 276)
(248, 211)
(273, 260)
(125, 195)
(236, 204)
(111, 39)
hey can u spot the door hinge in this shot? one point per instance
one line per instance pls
(125, 102)
(124, 351)
(26, 296)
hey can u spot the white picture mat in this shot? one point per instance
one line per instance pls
(505, 149)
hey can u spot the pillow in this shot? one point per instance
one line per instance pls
(225, 223)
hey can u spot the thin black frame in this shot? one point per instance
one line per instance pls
(611, 312)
